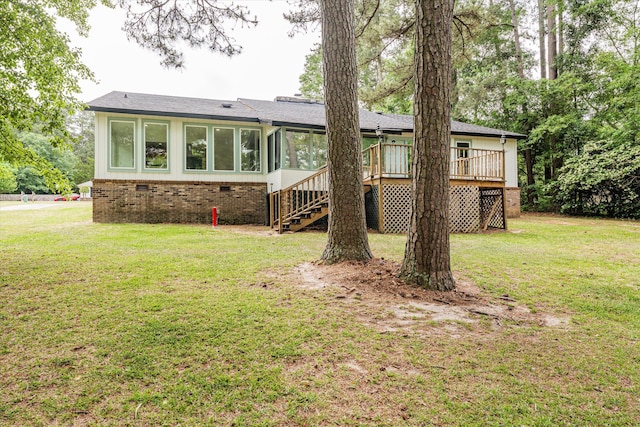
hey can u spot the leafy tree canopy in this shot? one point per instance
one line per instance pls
(8, 183)
(39, 77)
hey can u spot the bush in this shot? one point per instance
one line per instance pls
(603, 180)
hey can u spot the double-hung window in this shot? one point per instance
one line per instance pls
(196, 147)
(122, 144)
(250, 150)
(156, 146)
(223, 149)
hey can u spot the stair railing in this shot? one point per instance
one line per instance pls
(301, 197)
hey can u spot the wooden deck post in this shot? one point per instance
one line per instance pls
(279, 211)
(271, 210)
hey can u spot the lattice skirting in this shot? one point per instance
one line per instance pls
(492, 208)
(464, 209)
(396, 207)
(468, 204)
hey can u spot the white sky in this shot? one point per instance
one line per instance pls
(269, 65)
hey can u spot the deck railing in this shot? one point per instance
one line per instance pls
(394, 161)
(477, 164)
(301, 197)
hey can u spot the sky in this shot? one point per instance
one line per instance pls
(269, 65)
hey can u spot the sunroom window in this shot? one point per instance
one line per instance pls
(296, 150)
(223, 149)
(156, 137)
(196, 148)
(122, 139)
(250, 150)
(318, 149)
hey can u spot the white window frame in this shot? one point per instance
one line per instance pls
(167, 124)
(134, 122)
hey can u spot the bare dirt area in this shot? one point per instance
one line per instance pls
(373, 292)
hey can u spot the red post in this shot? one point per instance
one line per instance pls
(214, 217)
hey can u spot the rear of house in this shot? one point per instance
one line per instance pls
(164, 159)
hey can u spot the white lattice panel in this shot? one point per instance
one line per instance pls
(464, 209)
(397, 206)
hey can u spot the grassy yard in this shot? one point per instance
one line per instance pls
(148, 325)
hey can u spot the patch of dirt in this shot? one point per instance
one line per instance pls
(373, 292)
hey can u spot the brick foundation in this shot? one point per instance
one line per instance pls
(178, 202)
(512, 202)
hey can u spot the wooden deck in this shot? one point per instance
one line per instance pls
(466, 164)
(307, 201)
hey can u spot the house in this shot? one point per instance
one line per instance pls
(172, 159)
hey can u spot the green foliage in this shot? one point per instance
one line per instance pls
(311, 79)
(29, 179)
(385, 48)
(55, 176)
(604, 179)
(39, 76)
(8, 183)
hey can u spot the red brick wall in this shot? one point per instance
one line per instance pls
(178, 201)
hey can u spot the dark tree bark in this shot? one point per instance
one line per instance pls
(347, 237)
(427, 258)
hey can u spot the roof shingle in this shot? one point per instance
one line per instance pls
(281, 112)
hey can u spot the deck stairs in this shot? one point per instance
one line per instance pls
(302, 204)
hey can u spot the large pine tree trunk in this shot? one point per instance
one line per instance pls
(347, 237)
(427, 259)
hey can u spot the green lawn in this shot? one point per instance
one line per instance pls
(147, 325)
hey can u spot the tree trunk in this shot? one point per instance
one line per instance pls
(541, 36)
(552, 48)
(516, 37)
(529, 160)
(426, 258)
(560, 27)
(347, 236)
(528, 155)
(552, 53)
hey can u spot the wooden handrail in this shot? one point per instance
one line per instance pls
(301, 197)
(394, 161)
(477, 164)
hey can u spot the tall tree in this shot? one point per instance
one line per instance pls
(347, 237)
(541, 39)
(427, 253)
(39, 77)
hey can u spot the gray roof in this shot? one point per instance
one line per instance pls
(281, 112)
